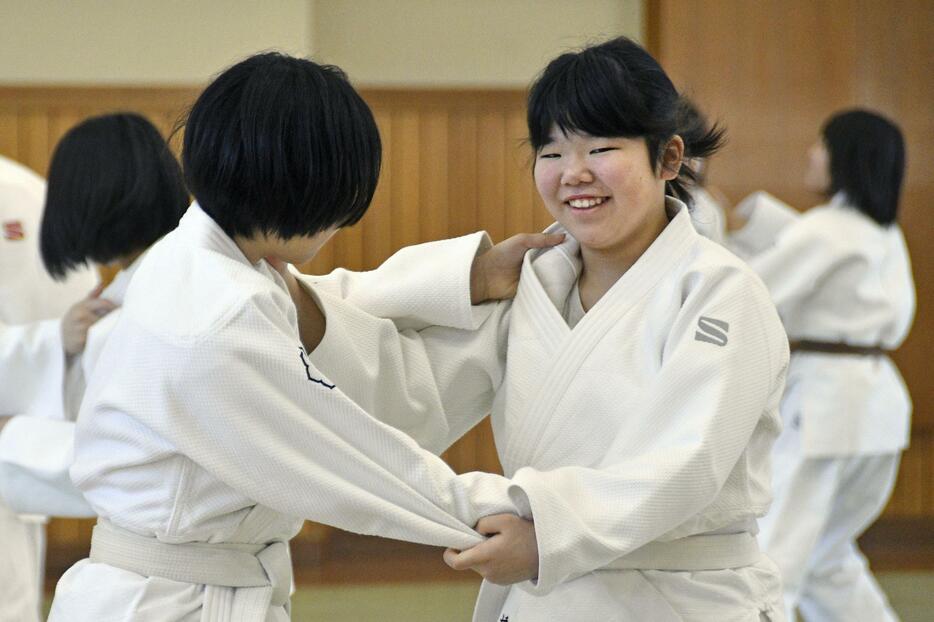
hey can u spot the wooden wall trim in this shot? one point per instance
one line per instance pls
(146, 97)
(30, 96)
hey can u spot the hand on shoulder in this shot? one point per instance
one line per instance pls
(495, 271)
(79, 319)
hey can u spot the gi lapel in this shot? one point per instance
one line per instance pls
(541, 418)
(546, 280)
(116, 291)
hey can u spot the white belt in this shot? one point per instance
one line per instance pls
(693, 553)
(221, 565)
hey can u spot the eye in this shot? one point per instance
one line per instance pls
(603, 150)
(549, 156)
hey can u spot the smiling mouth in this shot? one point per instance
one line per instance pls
(588, 203)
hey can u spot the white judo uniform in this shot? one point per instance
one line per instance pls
(707, 215)
(36, 449)
(32, 368)
(207, 436)
(639, 438)
(837, 277)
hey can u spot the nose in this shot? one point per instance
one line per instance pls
(576, 172)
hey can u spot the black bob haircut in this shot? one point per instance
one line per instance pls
(616, 89)
(283, 146)
(114, 188)
(867, 162)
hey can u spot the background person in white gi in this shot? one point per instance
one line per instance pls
(207, 436)
(634, 381)
(34, 344)
(841, 279)
(707, 210)
(114, 188)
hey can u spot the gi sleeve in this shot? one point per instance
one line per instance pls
(434, 384)
(766, 218)
(35, 455)
(432, 371)
(247, 405)
(32, 369)
(700, 413)
(419, 286)
(797, 263)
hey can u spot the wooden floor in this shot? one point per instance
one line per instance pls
(900, 545)
(911, 594)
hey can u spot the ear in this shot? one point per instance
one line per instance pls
(672, 157)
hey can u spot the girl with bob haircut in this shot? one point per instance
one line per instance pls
(840, 276)
(114, 188)
(634, 381)
(207, 436)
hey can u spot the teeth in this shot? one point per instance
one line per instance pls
(585, 203)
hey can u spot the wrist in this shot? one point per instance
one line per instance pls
(478, 286)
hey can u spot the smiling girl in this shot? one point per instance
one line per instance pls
(634, 381)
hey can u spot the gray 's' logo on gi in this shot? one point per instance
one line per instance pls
(712, 331)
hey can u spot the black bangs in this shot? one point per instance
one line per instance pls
(584, 94)
(281, 145)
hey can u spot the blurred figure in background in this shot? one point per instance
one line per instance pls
(114, 188)
(841, 278)
(32, 338)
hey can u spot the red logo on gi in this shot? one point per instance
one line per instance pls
(13, 230)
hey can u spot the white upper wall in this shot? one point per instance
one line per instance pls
(461, 42)
(142, 41)
(378, 42)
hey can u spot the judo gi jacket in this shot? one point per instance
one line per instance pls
(206, 422)
(836, 276)
(651, 421)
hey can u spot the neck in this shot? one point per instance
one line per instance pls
(127, 260)
(603, 267)
(253, 249)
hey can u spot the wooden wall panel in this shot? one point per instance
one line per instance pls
(453, 162)
(773, 71)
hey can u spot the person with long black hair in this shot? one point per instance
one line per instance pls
(841, 278)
